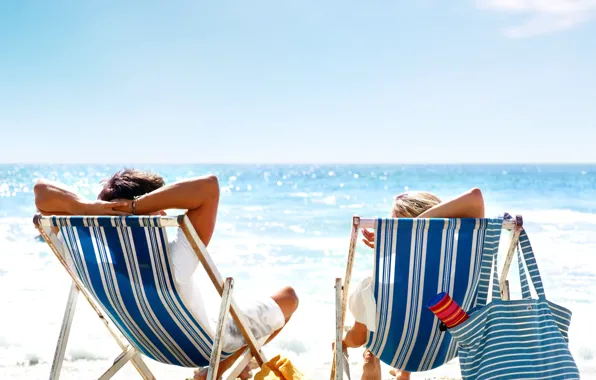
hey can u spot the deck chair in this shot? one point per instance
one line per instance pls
(122, 267)
(414, 260)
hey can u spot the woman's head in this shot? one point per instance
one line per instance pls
(413, 203)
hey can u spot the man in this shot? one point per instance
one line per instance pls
(141, 193)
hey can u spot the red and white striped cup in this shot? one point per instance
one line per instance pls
(447, 310)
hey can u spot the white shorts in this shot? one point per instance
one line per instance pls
(263, 315)
(361, 303)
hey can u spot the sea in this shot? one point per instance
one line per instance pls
(290, 225)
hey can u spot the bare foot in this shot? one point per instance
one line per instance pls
(201, 374)
(371, 369)
(246, 373)
(399, 375)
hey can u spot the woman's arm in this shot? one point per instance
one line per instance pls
(467, 205)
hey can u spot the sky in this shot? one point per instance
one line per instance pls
(280, 81)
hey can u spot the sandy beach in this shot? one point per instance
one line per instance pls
(87, 369)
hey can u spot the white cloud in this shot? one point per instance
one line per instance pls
(546, 16)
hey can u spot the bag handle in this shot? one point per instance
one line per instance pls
(488, 265)
(530, 259)
(496, 287)
(496, 293)
(489, 272)
(523, 277)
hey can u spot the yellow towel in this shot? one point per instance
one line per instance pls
(279, 368)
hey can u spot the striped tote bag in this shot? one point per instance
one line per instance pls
(515, 339)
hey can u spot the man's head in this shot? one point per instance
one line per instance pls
(129, 183)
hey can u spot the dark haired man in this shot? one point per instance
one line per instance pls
(142, 193)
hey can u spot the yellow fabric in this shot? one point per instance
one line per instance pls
(279, 368)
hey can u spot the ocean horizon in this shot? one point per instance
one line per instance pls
(289, 224)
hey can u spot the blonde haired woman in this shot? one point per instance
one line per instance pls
(416, 204)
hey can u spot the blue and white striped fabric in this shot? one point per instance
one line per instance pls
(124, 262)
(516, 339)
(416, 259)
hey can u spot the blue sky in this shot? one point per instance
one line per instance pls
(298, 81)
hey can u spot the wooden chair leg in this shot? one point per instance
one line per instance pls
(337, 367)
(221, 325)
(239, 366)
(120, 361)
(345, 287)
(141, 367)
(503, 283)
(71, 306)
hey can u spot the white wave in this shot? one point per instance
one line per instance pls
(557, 216)
(329, 200)
(302, 194)
(352, 206)
(297, 229)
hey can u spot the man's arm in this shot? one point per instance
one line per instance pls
(56, 199)
(200, 196)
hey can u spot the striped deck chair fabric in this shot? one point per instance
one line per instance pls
(415, 259)
(124, 262)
